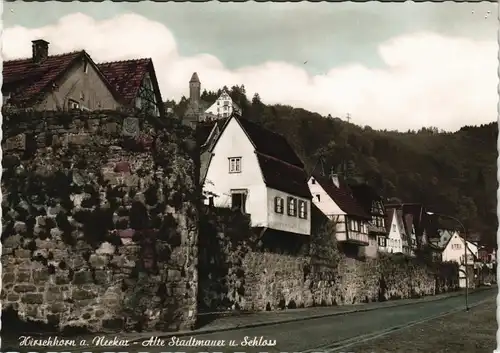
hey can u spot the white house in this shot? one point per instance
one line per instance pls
(396, 233)
(223, 107)
(454, 250)
(255, 170)
(334, 198)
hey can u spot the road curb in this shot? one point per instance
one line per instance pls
(285, 321)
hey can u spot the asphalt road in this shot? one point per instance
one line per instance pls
(320, 335)
(328, 334)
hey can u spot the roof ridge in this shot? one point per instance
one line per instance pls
(123, 61)
(50, 56)
(279, 160)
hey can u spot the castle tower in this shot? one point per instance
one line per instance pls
(194, 88)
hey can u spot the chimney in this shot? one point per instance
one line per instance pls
(40, 50)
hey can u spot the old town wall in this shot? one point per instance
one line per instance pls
(239, 272)
(99, 221)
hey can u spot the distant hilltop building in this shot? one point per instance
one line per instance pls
(199, 110)
(223, 107)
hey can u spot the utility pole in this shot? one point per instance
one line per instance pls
(348, 117)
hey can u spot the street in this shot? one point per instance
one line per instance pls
(314, 335)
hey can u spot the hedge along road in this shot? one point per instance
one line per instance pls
(328, 334)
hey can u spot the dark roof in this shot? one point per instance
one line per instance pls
(389, 215)
(126, 76)
(283, 176)
(365, 195)
(270, 143)
(194, 78)
(342, 196)
(27, 81)
(203, 131)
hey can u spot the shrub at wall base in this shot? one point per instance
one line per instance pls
(99, 221)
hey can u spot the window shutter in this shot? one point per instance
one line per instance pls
(288, 204)
(295, 207)
(276, 204)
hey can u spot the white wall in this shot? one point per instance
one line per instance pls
(325, 202)
(235, 143)
(454, 251)
(394, 238)
(284, 222)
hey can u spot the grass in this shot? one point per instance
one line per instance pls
(464, 332)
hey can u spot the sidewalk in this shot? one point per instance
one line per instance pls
(266, 318)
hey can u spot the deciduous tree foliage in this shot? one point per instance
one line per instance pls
(451, 173)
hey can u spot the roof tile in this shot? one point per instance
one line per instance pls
(125, 76)
(26, 80)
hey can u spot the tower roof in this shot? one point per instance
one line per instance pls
(194, 78)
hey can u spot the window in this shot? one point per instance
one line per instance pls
(85, 66)
(393, 227)
(218, 103)
(235, 165)
(382, 242)
(355, 225)
(279, 204)
(318, 197)
(292, 207)
(211, 201)
(302, 209)
(72, 104)
(313, 181)
(238, 200)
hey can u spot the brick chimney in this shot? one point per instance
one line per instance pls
(40, 50)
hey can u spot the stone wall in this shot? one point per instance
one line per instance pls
(99, 221)
(239, 272)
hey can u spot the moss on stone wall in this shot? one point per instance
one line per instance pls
(99, 220)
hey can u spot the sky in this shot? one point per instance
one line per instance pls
(395, 66)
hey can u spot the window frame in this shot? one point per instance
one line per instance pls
(302, 209)
(291, 206)
(279, 205)
(237, 162)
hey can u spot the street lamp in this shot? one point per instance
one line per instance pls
(465, 254)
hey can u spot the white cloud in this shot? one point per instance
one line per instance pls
(428, 80)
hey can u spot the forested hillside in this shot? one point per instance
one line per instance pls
(451, 173)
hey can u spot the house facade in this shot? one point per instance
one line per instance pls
(333, 197)
(372, 203)
(397, 242)
(74, 81)
(454, 250)
(223, 107)
(136, 84)
(254, 170)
